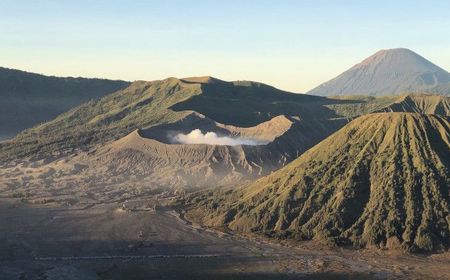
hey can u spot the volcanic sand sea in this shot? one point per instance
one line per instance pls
(109, 241)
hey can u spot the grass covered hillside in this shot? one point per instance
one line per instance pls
(383, 180)
(28, 99)
(98, 121)
(145, 104)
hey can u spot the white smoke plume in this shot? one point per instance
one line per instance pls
(211, 138)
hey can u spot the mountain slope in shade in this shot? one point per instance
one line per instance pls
(387, 72)
(147, 104)
(382, 180)
(28, 99)
(421, 103)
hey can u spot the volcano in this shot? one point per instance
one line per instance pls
(382, 180)
(388, 72)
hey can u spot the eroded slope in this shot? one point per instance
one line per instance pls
(420, 103)
(381, 180)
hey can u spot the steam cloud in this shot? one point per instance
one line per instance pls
(197, 137)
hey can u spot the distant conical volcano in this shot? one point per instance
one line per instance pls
(382, 180)
(388, 72)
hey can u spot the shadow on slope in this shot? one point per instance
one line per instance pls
(247, 104)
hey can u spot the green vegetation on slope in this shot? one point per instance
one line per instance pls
(361, 105)
(145, 104)
(381, 180)
(98, 121)
(247, 104)
(28, 99)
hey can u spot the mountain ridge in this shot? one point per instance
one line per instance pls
(144, 104)
(29, 98)
(420, 103)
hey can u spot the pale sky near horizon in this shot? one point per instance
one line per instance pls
(293, 45)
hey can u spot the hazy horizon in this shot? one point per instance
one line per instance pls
(293, 45)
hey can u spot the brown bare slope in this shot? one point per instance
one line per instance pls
(265, 131)
(148, 161)
(382, 180)
(151, 155)
(421, 103)
(160, 164)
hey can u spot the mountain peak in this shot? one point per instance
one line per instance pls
(202, 80)
(387, 72)
(389, 53)
(401, 60)
(396, 50)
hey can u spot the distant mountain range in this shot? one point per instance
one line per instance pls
(388, 72)
(147, 104)
(28, 99)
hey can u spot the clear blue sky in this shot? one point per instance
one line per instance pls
(294, 45)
